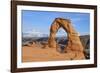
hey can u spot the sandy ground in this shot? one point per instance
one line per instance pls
(37, 53)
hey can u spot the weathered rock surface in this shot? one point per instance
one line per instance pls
(74, 44)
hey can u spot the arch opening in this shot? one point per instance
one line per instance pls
(61, 40)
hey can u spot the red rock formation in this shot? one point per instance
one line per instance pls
(74, 43)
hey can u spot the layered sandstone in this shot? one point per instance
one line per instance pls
(74, 44)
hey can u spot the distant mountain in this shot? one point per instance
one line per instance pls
(85, 39)
(34, 35)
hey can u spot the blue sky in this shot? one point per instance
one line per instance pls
(40, 21)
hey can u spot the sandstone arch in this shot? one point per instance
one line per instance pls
(74, 43)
